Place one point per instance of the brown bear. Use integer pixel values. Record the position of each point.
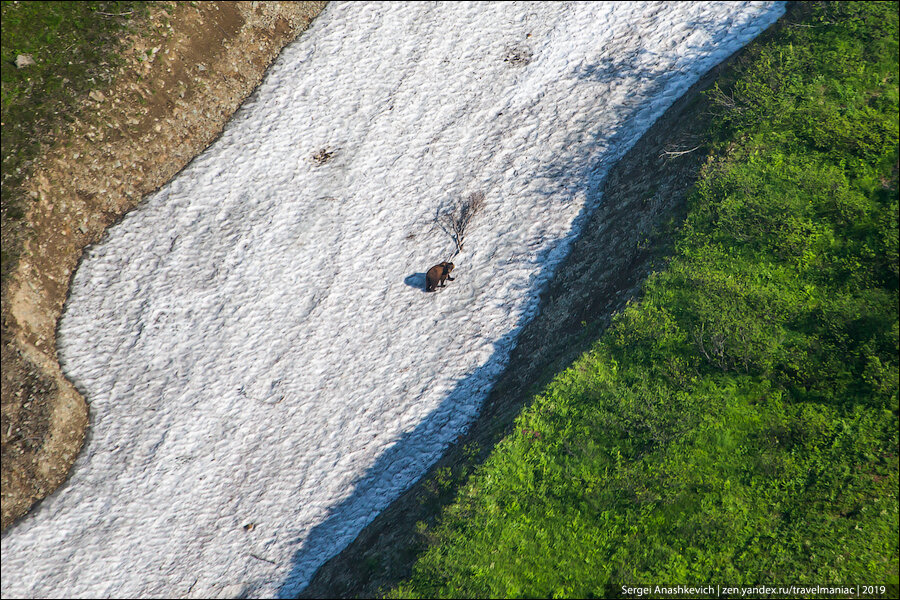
(436, 275)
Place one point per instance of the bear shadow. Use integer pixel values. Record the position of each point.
(416, 280)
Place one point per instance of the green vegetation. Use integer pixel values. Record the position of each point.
(739, 424)
(74, 47)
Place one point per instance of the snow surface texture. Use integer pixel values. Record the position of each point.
(265, 370)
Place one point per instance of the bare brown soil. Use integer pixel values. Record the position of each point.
(187, 71)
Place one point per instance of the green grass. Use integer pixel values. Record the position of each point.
(75, 48)
(739, 424)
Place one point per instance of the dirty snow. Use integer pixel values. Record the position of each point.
(264, 369)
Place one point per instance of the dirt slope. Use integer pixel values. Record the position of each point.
(187, 72)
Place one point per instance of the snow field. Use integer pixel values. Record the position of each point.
(254, 339)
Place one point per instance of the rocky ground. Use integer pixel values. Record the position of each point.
(187, 71)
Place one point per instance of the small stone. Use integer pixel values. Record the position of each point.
(97, 96)
(24, 60)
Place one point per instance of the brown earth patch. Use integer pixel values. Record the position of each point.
(186, 72)
(623, 241)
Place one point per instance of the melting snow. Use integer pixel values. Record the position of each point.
(255, 341)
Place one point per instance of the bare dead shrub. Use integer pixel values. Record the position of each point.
(455, 219)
